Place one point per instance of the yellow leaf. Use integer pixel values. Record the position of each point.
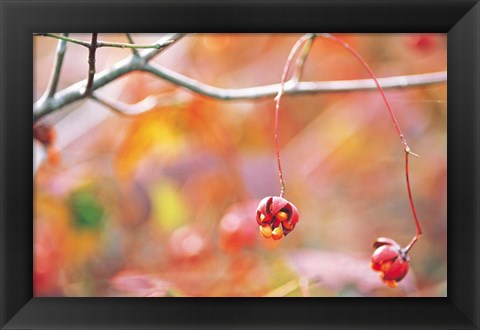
(150, 132)
(170, 210)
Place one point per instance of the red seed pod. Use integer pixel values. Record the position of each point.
(391, 260)
(276, 216)
(44, 134)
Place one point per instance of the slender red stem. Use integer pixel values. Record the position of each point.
(406, 148)
(288, 64)
(370, 72)
(417, 223)
(395, 123)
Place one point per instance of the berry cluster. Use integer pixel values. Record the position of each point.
(276, 216)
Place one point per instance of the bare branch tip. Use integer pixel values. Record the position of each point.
(414, 154)
(410, 152)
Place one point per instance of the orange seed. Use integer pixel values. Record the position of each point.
(282, 216)
(277, 233)
(266, 231)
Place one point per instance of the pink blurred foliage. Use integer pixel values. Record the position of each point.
(138, 284)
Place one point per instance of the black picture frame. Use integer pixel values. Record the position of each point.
(19, 19)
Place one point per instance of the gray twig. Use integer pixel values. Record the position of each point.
(57, 68)
(158, 45)
(75, 92)
(292, 87)
(147, 104)
(92, 50)
(125, 109)
(130, 40)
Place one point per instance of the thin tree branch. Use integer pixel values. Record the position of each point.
(147, 104)
(57, 67)
(91, 64)
(75, 92)
(124, 109)
(165, 42)
(105, 43)
(64, 38)
(130, 40)
(139, 63)
(291, 87)
(71, 94)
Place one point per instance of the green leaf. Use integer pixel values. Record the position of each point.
(87, 211)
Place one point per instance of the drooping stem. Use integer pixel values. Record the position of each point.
(395, 123)
(412, 206)
(288, 64)
(299, 65)
(370, 72)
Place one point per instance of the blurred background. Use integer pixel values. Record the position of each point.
(163, 203)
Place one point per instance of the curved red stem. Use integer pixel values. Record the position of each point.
(395, 123)
(406, 148)
(417, 223)
(370, 72)
(288, 64)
